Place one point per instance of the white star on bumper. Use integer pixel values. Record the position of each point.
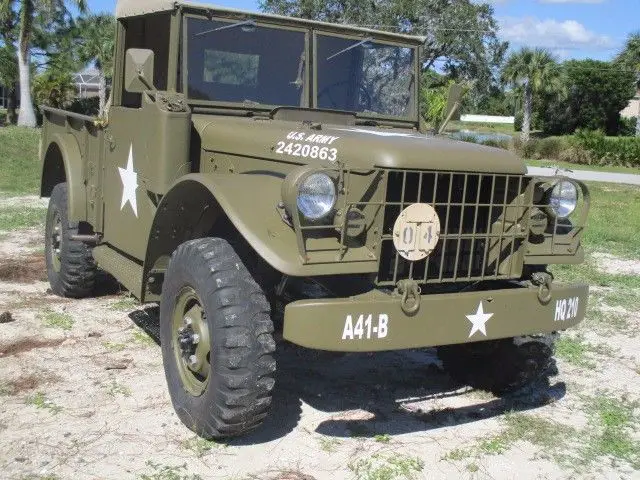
(478, 321)
(129, 184)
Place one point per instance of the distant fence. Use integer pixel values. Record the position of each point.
(487, 119)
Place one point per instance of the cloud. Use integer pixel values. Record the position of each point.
(552, 34)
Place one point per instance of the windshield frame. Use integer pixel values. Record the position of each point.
(413, 108)
(184, 74)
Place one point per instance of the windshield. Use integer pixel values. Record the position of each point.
(245, 63)
(364, 76)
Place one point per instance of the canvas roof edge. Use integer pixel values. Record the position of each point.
(134, 8)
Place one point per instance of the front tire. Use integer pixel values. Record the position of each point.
(217, 342)
(71, 268)
(500, 366)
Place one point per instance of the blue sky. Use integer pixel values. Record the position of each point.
(570, 28)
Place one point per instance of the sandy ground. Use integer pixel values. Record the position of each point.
(85, 398)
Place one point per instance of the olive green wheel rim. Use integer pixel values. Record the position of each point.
(191, 345)
(55, 237)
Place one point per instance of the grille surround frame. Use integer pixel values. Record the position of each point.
(485, 225)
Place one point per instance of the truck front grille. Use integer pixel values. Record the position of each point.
(484, 226)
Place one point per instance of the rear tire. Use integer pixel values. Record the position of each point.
(71, 268)
(221, 384)
(500, 366)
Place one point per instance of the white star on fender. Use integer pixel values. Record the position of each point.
(478, 321)
(129, 184)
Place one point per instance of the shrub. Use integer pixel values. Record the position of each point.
(528, 149)
(627, 127)
(491, 142)
(86, 106)
(466, 137)
(599, 149)
(550, 147)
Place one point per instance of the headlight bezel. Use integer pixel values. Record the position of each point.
(326, 207)
(291, 189)
(555, 210)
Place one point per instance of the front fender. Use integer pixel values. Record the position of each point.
(193, 205)
(63, 152)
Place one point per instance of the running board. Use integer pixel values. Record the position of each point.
(126, 271)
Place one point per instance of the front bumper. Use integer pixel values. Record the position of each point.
(375, 321)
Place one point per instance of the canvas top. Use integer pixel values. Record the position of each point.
(133, 8)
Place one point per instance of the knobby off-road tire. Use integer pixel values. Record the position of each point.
(71, 268)
(500, 366)
(208, 291)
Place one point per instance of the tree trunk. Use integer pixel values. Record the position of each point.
(12, 117)
(638, 123)
(27, 116)
(102, 92)
(526, 116)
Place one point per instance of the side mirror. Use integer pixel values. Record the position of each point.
(456, 92)
(138, 70)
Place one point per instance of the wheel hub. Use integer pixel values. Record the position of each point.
(191, 342)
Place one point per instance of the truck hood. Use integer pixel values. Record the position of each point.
(356, 147)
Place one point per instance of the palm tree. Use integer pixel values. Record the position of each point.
(630, 58)
(26, 10)
(8, 63)
(531, 70)
(96, 35)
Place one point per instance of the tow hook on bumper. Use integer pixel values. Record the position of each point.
(543, 280)
(410, 291)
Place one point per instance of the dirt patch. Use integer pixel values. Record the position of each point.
(29, 382)
(26, 345)
(21, 242)
(25, 269)
(616, 265)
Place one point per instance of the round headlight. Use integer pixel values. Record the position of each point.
(316, 196)
(563, 199)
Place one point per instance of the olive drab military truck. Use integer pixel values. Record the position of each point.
(255, 170)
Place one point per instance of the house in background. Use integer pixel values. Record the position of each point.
(4, 96)
(87, 82)
(633, 109)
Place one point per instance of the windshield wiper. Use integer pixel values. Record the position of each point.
(246, 23)
(351, 47)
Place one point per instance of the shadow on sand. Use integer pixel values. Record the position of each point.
(371, 394)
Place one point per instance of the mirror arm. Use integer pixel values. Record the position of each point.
(142, 78)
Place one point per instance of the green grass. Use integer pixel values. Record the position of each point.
(16, 218)
(125, 303)
(386, 467)
(576, 166)
(19, 162)
(612, 420)
(507, 129)
(328, 444)
(614, 219)
(578, 352)
(114, 346)
(200, 446)
(39, 400)
(52, 319)
(141, 337)
(115, 389)
(168, 472)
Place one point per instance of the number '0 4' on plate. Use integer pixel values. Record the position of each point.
(366, 327)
